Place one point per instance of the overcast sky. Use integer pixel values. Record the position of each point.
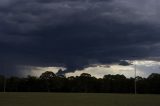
(75, 34)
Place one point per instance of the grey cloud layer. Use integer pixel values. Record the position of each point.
(78, 33)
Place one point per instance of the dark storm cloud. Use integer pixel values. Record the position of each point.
(75, 34)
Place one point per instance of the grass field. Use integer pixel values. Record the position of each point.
(77, 99)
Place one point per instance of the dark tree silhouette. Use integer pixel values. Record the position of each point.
(47, 75)
(49, 82)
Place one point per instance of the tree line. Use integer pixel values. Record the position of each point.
(85, 83)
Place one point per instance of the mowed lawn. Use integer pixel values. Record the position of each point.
(77, 99)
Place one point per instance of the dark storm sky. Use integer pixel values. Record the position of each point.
(77, 33)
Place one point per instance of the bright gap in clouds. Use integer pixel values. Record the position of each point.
(37, 71)
(144, 68)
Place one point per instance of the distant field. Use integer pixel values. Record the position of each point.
(77, 99)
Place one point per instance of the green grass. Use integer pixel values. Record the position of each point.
(77, 99)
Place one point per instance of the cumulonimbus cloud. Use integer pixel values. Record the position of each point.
(75, 34)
